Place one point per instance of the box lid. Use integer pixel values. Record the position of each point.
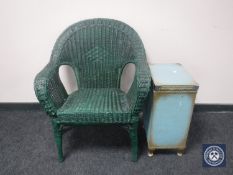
(172, 77)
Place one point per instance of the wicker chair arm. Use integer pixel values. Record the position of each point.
(140, 87)
(49, 89)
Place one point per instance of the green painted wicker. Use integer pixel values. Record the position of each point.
(97, 50)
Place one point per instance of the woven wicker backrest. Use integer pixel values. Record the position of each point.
(98, 50)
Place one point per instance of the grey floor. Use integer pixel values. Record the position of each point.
(27, 147)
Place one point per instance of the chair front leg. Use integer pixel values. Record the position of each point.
(58, 139)
(133, 132)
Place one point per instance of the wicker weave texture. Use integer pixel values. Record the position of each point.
(97, 50)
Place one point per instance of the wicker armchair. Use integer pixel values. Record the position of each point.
(97, 50)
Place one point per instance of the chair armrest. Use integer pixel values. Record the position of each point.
(49, 89)
(141, 85)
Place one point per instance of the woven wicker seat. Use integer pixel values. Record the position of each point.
(97, 50)
(83, 105)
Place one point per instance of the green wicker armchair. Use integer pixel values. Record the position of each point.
(97, 50)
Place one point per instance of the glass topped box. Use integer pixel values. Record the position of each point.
(170, 106)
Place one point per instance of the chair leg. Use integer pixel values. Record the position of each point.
(58, 139)
(133, 132)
